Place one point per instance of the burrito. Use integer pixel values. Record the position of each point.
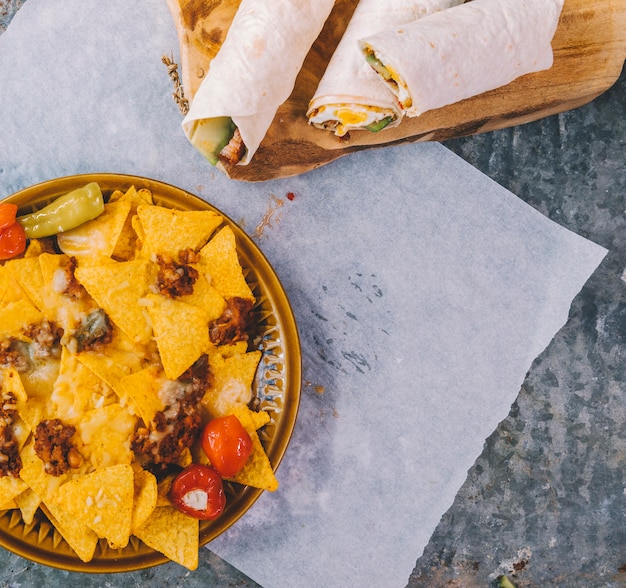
(253, 73)
(350, 96)
(463, 51)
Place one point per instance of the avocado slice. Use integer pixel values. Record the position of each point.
(211, 135)
(379, 125)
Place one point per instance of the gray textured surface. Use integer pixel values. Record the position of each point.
(545, 502)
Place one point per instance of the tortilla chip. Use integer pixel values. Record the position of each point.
(134, 196)
(38, 246)
(220, 263)
(78, 390)
(181, 332)
(173, 534)
(123, 357)
(78, 536)
(170, 231)
(56, 305)
(232, 381)
(26, 271)
(10, 488)
(15, 317)
(250, 420)
(142, 388)
(28, 502)
(117, 287)
(35, 476)
(258, 471)
(97, 237)
(103, 501)
(206, 297)
(127, 247)
(104, 436)
(145, 498)
(10, 290)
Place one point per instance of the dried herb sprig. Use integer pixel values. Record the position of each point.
(179, 94)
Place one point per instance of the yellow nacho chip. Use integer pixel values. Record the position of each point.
(77, 535)
(121, 358)
(15, 317)
(169, 231)
(173, 534)
(258, 471)
(77, 390)
(102, 500)
(66, 311)
(118, 287)
(142, 388)
(181, 333)
(220, 262)
(28, 502)
(35, 476)
(10, 290)
(134, 196)
(232, 381)
(27, 272)
(145, 497)
(103, 436)
(251, 420)
(10, 488)
(206, 297)
(38, 246)
(97, 237)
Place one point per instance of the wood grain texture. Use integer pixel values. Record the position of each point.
(589, 52)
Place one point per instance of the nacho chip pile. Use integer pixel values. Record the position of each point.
(105, 331)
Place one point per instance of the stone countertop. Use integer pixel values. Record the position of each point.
(545, 501)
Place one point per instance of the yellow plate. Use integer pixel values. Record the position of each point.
(277, 384)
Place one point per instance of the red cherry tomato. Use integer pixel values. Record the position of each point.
(198, 492)
(7, 214)
(226, 444)
(12, 241)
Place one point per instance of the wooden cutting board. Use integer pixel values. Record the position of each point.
(589, 52)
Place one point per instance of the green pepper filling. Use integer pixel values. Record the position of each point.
(379, 125)
(378, 65)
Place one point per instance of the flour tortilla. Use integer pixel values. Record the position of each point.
(255, 70)
(349, 84)
(465, 50)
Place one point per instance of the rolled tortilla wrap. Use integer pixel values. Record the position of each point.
(253, 73)
(463, 51)
(349, 95)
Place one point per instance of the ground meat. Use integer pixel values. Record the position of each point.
(233, 152)
(54, 447)
(94, 331)
(15, 353)
(46, 338)
(73, 288)
(234, 324)
(177, 279)
(174, 429)
(10, 460)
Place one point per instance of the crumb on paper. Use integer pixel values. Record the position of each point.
(270, 217)
(318, 388)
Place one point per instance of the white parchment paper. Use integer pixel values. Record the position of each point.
(423, 291)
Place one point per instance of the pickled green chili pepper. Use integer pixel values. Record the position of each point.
(64, 213)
